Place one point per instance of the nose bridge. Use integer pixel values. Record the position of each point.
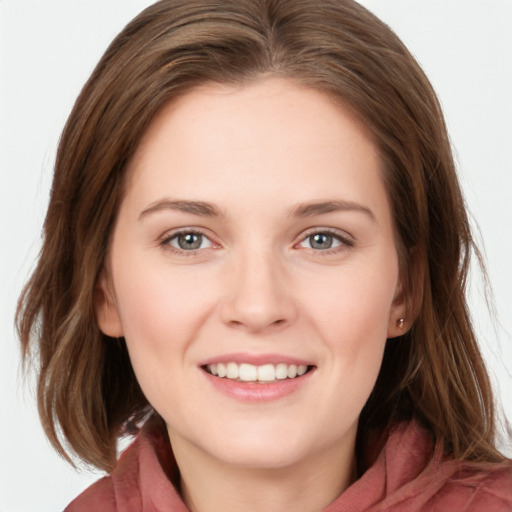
(258, 296)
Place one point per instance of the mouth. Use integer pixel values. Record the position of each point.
(262, 374)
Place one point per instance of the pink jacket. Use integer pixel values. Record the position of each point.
(404, 478)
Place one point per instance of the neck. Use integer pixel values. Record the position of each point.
(309, 485)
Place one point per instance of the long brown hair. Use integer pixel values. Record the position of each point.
(87, 391)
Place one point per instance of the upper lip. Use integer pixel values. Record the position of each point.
(256, 359)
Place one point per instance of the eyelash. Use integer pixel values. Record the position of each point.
(346, 242)
(165, 241)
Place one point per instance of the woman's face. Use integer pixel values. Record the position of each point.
(255, 239)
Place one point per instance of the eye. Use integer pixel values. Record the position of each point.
(321, 241)
(325, 240)
(188, 241)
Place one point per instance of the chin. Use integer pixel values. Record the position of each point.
(264, 456)
(262, 448)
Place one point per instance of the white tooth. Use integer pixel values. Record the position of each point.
(232, 371)
(212, 368)
(266, 373)
(221, 370)
(281, 371)
(301, 370)
(247, 372)
(292, 371)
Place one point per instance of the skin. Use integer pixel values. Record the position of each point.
(256, 285)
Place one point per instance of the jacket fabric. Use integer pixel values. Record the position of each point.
(410, 474)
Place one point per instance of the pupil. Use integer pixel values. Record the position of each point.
(321, 241)
(190, 241)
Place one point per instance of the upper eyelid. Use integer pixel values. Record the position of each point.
(340, 233)
(171, 233)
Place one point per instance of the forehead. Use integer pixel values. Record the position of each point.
(269, 136)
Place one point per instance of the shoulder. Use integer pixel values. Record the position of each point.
(141, 480)
(418, 477)
(476, 488)
(114, 493)
(99, 496)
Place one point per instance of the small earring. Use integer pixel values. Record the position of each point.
(400, 323)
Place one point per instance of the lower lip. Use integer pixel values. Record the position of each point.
(258, 392)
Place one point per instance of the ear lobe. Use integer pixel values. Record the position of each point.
(107, 315)
(408, 298)
(399, 321)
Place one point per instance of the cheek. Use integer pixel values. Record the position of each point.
(358, 306)
(162, 314)
(161, 310)
(353, 322)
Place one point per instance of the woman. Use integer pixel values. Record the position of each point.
(255, 254)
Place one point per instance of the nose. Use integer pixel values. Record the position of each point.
(259, 297)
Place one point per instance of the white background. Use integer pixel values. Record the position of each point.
(47, 50)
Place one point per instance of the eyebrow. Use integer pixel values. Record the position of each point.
(205, 209)
(193, 207)
(320, 208)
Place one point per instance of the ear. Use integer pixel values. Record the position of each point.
(107, 314)
(398, 322)
(408, 297)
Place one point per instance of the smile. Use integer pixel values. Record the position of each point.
(245, 372)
